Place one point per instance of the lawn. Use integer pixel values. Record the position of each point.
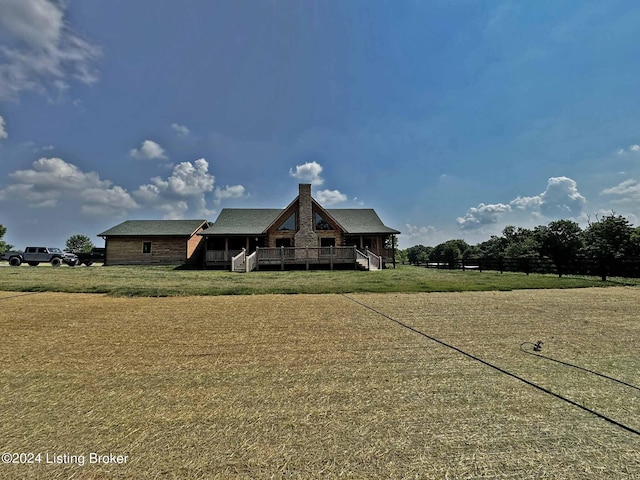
(318, 386)
(167, 281)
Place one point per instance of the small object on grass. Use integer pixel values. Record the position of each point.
(538, 346)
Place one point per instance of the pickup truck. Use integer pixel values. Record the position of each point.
(95, 255)
(36, 255)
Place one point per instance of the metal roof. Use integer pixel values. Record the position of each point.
(153, 228)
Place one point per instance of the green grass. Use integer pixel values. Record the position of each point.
(167, 281)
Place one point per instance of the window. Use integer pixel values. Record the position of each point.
(327, 242)
(283, 242)
(321, 223)
(289, 223)
(146, 247)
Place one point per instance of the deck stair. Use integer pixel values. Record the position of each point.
(368, 260)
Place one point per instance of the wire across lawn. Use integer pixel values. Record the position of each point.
(316, 386)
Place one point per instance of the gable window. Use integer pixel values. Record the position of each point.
(289, 224)
(321, 223)
(146, 247)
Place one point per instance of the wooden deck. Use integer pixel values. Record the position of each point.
(284, 257)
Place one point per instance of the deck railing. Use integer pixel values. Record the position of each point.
(362, 259)
(251, 261)
(375, 261)
(238, 263)
(213, 256)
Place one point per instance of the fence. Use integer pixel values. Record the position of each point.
(627, 267)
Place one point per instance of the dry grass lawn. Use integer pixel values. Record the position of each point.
(316, 386)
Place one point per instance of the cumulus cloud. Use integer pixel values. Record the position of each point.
(40, 50)
(187, 186)
(308, 173)
(180, 129)
(330, 197)
(149, 150)
(482, 215)
(3, 129)
(50, 180)
(561, 199)
(234, 191)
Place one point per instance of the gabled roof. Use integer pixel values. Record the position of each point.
(256, 221)
(360, 220)
(243, 221)
(155, 228)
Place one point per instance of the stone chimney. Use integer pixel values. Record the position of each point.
(305, 236)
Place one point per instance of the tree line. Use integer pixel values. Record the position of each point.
(563, 242)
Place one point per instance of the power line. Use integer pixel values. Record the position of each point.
(495, 367)
(539, 355)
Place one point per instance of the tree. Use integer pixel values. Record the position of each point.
(4, 247)
(608, 239)
(79, 244)
(492, 248)
(450, 252)
(561, 241)
(519, 242)
(418, 254)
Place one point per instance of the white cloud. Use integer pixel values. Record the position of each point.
(330, 197)
(627, 191)
(308, 173)
(3, 130)
(149, 150)
(630, 149)
(424, 235)
(482, 215)
(234, 191)
(184, 190)
(50, 180)
(40, 50)
(181, 129)
(561, 199)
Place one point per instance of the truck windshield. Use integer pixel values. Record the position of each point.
(55, 250)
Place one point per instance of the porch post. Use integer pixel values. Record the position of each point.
(331, 257)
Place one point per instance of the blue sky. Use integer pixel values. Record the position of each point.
(451, 118)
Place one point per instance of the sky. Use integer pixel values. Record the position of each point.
(451, 118)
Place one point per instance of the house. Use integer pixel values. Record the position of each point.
(304, 234)
(154, 242)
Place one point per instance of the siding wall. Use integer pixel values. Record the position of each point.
(164, 250)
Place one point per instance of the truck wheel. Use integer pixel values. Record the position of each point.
(55, 262)
(72, 263)
(34, 264)
(15, 261)
(88, 264)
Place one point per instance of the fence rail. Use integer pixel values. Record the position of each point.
(626, 267)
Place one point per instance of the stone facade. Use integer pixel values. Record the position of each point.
(305, 236)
